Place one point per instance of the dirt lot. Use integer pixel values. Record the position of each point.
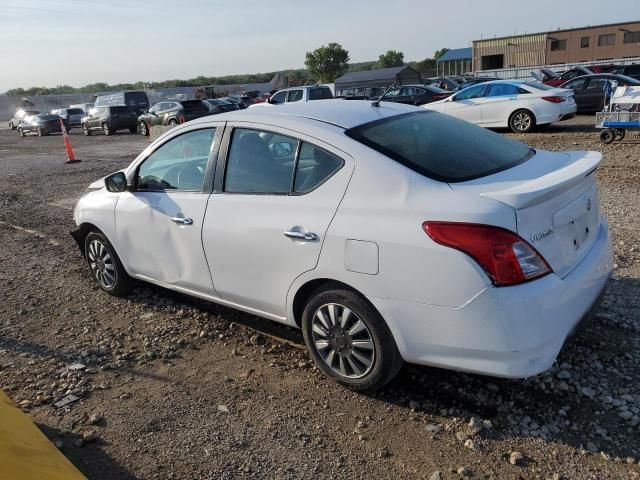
(176, 388)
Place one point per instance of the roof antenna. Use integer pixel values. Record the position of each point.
(377, 102)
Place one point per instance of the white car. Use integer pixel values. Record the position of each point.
(387, 233)
(520, 106)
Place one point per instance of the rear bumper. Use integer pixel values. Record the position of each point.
(564, 112)
(513, 332)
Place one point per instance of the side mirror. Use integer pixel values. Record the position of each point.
(116, 182)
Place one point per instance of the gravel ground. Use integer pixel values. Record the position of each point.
(163, 386)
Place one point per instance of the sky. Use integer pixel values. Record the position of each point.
(76, 42)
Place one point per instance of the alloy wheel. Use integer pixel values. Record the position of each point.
(522, 121)
(343, 340)
(101, 264)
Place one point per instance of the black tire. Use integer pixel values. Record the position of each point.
(39, 132)
(86, 130)
(115, 280)
(12, 126)
(619, 134)
(607, 136)
(385, 360)
(173, 122)
(20, 132)
(143, 129)
(522, 121)
(106, 129)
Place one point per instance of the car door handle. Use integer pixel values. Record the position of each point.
(306, 236)
(182, 221)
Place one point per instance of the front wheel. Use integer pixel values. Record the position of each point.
(85, 129)
(20, 132)
(349, 340)
(607, 136)
(105, 265)
(522, 121)
(173, 122)
(39, 132)
(106, 129)
(142, 129)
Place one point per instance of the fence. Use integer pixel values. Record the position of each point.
(524, 73)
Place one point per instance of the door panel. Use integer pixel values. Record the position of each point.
(253, 263)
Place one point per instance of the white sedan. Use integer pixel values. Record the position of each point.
(520, 106)
(386, 233)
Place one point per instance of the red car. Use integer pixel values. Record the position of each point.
(556, 79)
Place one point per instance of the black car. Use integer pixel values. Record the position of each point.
(218, 105)
(109, 120)
(632, 71)
(590, 90)
(19, 115)
(171, 113)
(41, 124)
(415, 94)
(444, 83)
(244, 101)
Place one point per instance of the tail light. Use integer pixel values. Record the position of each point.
(555, 99)
(504, 256)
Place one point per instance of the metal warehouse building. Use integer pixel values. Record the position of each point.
(373, 82)
(588, 44)
(455, 62)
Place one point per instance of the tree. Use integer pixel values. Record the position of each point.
(391, 59)
(327, 62)
(438, 53)
(426, 67)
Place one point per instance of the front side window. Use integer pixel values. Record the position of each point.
(597, 84)
(260, 162)
(314, 166)
(294, 96)
(422, 142)
(471, 92)
(179, 164)
(577, 84)
(279, 97)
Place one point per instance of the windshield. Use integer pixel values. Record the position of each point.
(74, 111)
(539, 86)
(441, 147)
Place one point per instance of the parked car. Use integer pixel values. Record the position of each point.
(72, 116)
(40, 124)
(19, 115)
(556, 79)
(85, 107)
(243, 101)
(415, 94)
(305, 93)
(520, 106)
(590, 90)
(387, 234)
(632, 71)
(445, 83)
(172, 113)
(218, 105)
(109, 120)
(136, 100)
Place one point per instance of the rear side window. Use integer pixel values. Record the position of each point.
(441, 147)
(319, 93)
(503, 89)
(315, 165)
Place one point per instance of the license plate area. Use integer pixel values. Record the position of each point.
(578, 221)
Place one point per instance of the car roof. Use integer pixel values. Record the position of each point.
(339, 112)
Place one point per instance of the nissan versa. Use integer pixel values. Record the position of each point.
(386, 232)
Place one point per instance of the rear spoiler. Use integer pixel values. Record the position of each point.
(542, 188)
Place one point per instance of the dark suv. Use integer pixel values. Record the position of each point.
(109, 120)
(632, 71)
(171, 113)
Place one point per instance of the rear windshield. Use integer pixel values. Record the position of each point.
(193, 105)
(441, 147)
(74, 111)
(136, 99)
(120, 109)
(539, 86)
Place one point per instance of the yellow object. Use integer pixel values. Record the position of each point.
(25, 452)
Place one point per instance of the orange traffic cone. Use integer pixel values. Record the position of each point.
(71, 158)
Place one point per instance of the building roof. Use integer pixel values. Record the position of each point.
(457, 54)
(372, 75)
(587, 27)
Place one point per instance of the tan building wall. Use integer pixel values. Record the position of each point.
(586, 44)
(518, 51)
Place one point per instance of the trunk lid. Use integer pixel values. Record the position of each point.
(555, 200)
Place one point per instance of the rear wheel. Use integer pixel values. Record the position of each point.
(348, 339)
(105, 265)
(86, 130)
(522, 121)
(607, 136)
(20, 132)
(619, 134)
(173, 122)
(142, 129)
(39, 131)
(106, 129)
(11, 126)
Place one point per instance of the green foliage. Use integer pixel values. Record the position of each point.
(391, 59)
(426, 67)
(328, 62)
(438, 53)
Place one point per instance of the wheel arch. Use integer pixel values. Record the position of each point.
(524, 109)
